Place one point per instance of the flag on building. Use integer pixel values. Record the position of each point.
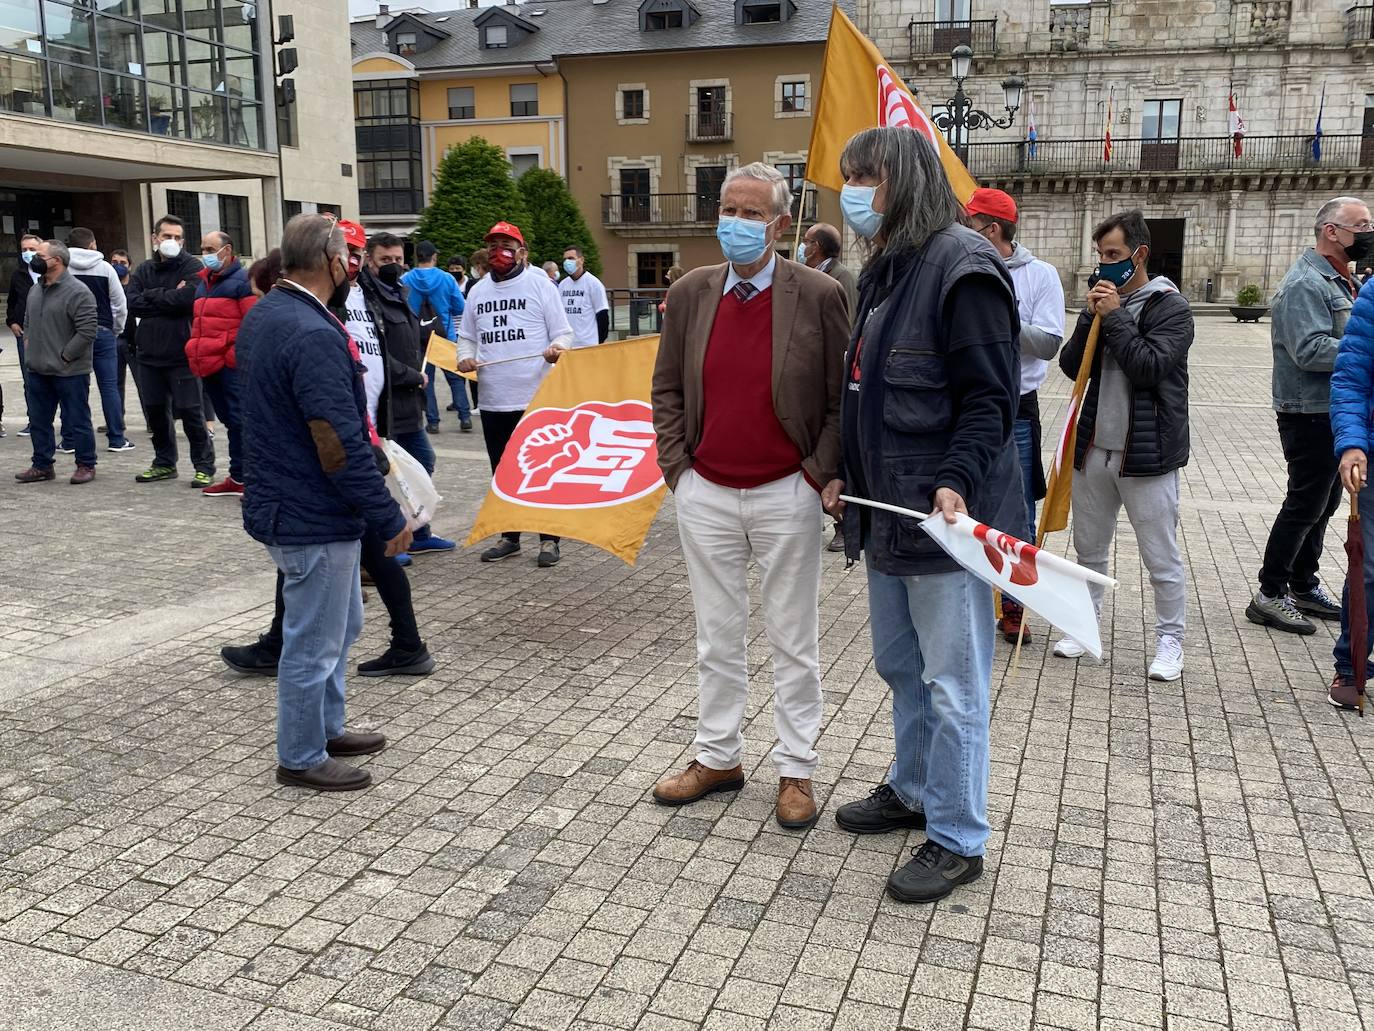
(1107, 132)
(1317, 133)
(1054, 513)
(1031, 135)
(583, 462)
(859, 90)
(1237, 126)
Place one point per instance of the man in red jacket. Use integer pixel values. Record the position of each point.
(222, 300)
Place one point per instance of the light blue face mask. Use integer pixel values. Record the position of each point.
(742, 240)
(856, 205)
(570, 266)
(212, 261)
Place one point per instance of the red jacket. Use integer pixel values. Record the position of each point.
(222, 300)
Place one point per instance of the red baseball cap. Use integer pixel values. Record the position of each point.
(354, 234)
(991, 202)
(506, 229)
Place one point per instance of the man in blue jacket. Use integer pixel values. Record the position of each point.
(313, 487)
(432, 287)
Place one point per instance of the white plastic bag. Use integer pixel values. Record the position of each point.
(411, 486)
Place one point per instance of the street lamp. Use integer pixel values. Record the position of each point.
(960, 116)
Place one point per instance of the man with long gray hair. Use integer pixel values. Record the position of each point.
(931, 389)
(1307, 319)
(746, 401)
(313, 487)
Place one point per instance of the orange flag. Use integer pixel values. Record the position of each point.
(583, 462)
(859, 90)
(1054, 513)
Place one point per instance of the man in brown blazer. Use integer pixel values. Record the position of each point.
(820, 250)
(747, 409)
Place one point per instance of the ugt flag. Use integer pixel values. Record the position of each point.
(859, 90)
(583, 462)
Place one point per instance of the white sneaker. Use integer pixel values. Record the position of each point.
(1068, 648)
(1168, 664)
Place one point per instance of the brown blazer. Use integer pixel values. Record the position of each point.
(810, 334)
(842, 275)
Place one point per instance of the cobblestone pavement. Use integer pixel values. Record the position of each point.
(1191, 855)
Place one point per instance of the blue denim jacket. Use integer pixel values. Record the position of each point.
(1307, 317)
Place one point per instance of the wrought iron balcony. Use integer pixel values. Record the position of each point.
(709, 126)
(654, 210)
(1359, 24)
(931, 38)
(1192, 154)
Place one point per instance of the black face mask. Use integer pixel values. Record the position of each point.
(389, 274)
(339, 297)
(39, 264)
(1361, 247)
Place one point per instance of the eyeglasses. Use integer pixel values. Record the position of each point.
(1358, 227)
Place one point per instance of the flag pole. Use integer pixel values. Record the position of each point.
(801, 213)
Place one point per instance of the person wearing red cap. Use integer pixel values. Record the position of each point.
(1040, 303)
(514, 312)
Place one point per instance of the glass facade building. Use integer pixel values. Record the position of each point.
(182, 68)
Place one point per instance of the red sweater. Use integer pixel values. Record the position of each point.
(742, 443)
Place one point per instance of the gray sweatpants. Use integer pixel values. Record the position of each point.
(1152, 507)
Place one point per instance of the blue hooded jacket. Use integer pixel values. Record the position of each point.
(441, 290)
(1352, 380)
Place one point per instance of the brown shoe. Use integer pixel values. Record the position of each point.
(1342, 693)
(83, 474)
(696, 782)
(35, 475)
(1010, 624)
(796, 803)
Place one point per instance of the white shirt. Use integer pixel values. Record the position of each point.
(1040, 303)
(515, 318)
(364, 333)
(761, 279)
(583, 297)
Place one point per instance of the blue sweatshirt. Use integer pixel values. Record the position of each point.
(441, 290)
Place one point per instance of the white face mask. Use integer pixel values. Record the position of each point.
(169, 248)
(27, 256)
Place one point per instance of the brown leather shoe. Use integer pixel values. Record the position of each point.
(349, 743)
(330, 775)
(83, 474)
(696, 782)
(1343, 694)
(35, 475)
(796, 803)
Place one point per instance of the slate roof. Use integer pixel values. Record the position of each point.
(569, 28)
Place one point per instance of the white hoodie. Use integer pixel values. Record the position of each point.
(1040, 302)
(93, 263)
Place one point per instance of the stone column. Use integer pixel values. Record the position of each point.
(1227, 280)
(1087, 258)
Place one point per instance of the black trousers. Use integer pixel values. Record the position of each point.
(392, 587)
(497, 428)
(1293, 555)
(174, 392)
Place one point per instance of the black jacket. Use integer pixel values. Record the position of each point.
(401, 407)
(935, 398)
(163, 310)
(20, 285)
(1152, 350)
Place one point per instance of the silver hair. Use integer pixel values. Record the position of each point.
(57, 249)
(310, 242)
(764, 173)
(1328, 211)
(920, 201)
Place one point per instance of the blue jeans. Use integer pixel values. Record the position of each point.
(223, 388)
(456, 385)
(1341, 653)
(1025, 445)
(324, 615)
(105, 359)
(71, 394)
(417, 445)
(933, 645)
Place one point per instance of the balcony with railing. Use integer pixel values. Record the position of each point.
(938, 38)
(385, 201)
(654, 211)
(1199, 154)
(709, 126)
(1359, 24)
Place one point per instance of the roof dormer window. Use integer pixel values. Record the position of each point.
(496, 37)
(656, 15)
(405, 44)
(763, 12)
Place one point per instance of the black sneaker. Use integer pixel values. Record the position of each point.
(1279, 613)
(398, 662)
(258, 659)
(933, 872)
(501, 549)
(880, 812)
(548, 554)
(1317, 602)
(465, 425)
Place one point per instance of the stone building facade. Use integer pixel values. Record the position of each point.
(1165, 70)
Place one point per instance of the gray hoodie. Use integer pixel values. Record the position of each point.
(97, 273)
(1114, 395)
(59, 327)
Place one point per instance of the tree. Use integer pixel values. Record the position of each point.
(473, 190)
(556, 219)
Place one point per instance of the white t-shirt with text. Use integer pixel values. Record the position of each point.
(364, 333)
(582, 299)
(511, 319)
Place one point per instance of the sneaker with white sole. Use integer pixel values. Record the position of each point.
(1168, 664)
(1068, 648)
(128, 445)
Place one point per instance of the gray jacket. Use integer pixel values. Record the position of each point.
(59, 327)
(1307, 320)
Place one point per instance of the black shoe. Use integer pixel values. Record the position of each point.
(432, 427)
(501, 549)
(837, 542)
(355, 744)
(880, 812)
(398, 662)
(451, 408)
(258, 659)
(548, 554)
(465, 425)
(330, 775)
(1317, 602)
(933, 872)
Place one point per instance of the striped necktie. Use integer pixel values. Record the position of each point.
(743, 290)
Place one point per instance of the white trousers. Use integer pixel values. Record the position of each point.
(721, 528)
